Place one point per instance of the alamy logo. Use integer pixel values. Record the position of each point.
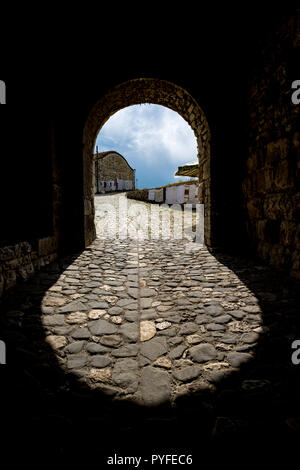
(296, 94)
(2, 92)
(2, 352)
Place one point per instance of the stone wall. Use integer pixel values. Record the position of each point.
(20, 261)
(271, 185)
(112, 165)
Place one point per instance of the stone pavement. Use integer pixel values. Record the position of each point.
(153, 322)
(143, 319)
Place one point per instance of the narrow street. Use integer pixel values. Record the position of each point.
(167, 316)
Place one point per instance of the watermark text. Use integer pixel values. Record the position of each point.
(296, 94)
(138, 221)
(296, 353)
(2, 352)
(2, 92)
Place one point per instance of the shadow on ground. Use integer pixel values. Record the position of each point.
(45, 410)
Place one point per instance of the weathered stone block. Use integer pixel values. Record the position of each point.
(252, 162)
(155, 386)
(10, 279)
(254, 207)
(283, 175)
(276, 151)
(46, 246)
(260, 228)
(268, 179)
(288, 232)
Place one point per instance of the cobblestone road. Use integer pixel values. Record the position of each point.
(151, 321)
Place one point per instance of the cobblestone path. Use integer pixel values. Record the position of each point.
(143, 319)
(152, 321)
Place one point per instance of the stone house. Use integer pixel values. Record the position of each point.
(113, 173)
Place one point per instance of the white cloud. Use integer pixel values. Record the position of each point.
(151, 137)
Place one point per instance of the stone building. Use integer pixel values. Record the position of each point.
(113, 173)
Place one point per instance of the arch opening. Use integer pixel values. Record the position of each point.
(154, 91)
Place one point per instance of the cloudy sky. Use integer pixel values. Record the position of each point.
(155, 140)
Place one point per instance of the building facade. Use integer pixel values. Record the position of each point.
(113, 173)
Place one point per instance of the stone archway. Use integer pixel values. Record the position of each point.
(138, 91)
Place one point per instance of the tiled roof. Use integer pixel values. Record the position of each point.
(108, 152)
(188, 170)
